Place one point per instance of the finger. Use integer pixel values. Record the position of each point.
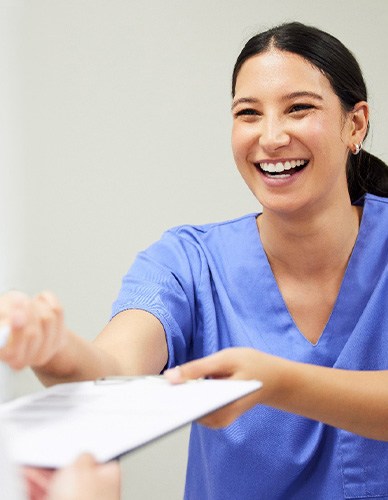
(32, 344)
(36, 329)
(9, 302)
(37, 481)
(217, 365)
(50, 338)
(228, 414)
(217, 420)
(43, 346)
(85, 460)
(54, 304)
(13, 317)
(23, 329)
(16, 354)
(110, 474)
(14, 313)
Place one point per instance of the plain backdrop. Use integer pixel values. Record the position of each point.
(114, 126)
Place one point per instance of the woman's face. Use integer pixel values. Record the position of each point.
(290, 136)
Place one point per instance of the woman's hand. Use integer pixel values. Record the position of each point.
(301, 388)
(36, 329)
(233, 363)
(39, 338)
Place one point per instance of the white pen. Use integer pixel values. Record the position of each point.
(5, 331)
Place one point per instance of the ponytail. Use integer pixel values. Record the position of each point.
(367, 174)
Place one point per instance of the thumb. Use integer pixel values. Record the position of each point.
(85, 460)
(213, 366)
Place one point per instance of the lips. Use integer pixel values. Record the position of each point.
(281, 168)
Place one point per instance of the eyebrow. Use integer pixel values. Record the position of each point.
(292, 95)
(303, 93)
(242, 100)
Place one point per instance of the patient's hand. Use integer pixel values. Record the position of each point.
(84, 479)
(37, 481)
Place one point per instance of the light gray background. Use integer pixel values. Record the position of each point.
(115, 125)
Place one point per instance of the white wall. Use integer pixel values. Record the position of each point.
(125, 131)
(11, 172)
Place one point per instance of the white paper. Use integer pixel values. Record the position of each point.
(107, 418)
(5, 331)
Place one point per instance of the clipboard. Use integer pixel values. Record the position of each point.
(108, 417)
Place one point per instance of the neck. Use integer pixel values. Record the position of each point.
(308, 246)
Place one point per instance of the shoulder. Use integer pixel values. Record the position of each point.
(202, 232)
(193, 246)
(373, 200)
(375, 209)
(373, 234)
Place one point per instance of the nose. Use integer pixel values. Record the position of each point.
(273, 134)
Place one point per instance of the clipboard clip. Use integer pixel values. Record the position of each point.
(123, 379)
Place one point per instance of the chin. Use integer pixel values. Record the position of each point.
(284, 205)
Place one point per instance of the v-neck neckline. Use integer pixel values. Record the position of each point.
(334, 316)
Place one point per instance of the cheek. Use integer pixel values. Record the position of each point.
(236, 144)
(313, 133)
(324, 139)
(243, 141)
(323, 133)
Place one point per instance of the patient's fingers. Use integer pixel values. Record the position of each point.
(86, 480)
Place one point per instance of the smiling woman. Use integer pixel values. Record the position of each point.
(323, 53)
(293, 118)
(295, 296)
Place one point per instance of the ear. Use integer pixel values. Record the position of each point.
(359, 119)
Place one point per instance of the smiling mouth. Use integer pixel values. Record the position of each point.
(281, 169)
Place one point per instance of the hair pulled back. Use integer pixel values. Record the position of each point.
(365, 172)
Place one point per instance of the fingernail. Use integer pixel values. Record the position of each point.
(173, 375)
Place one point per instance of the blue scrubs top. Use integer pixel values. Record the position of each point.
(212, 287)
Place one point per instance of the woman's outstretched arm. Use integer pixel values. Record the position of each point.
(133, 342)
(356, 401)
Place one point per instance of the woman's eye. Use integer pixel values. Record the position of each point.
(300, 107)
(246, 112)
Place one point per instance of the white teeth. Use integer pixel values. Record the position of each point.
(270, 167)
(281, 167)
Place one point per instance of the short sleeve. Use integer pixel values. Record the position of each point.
(162, 281)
